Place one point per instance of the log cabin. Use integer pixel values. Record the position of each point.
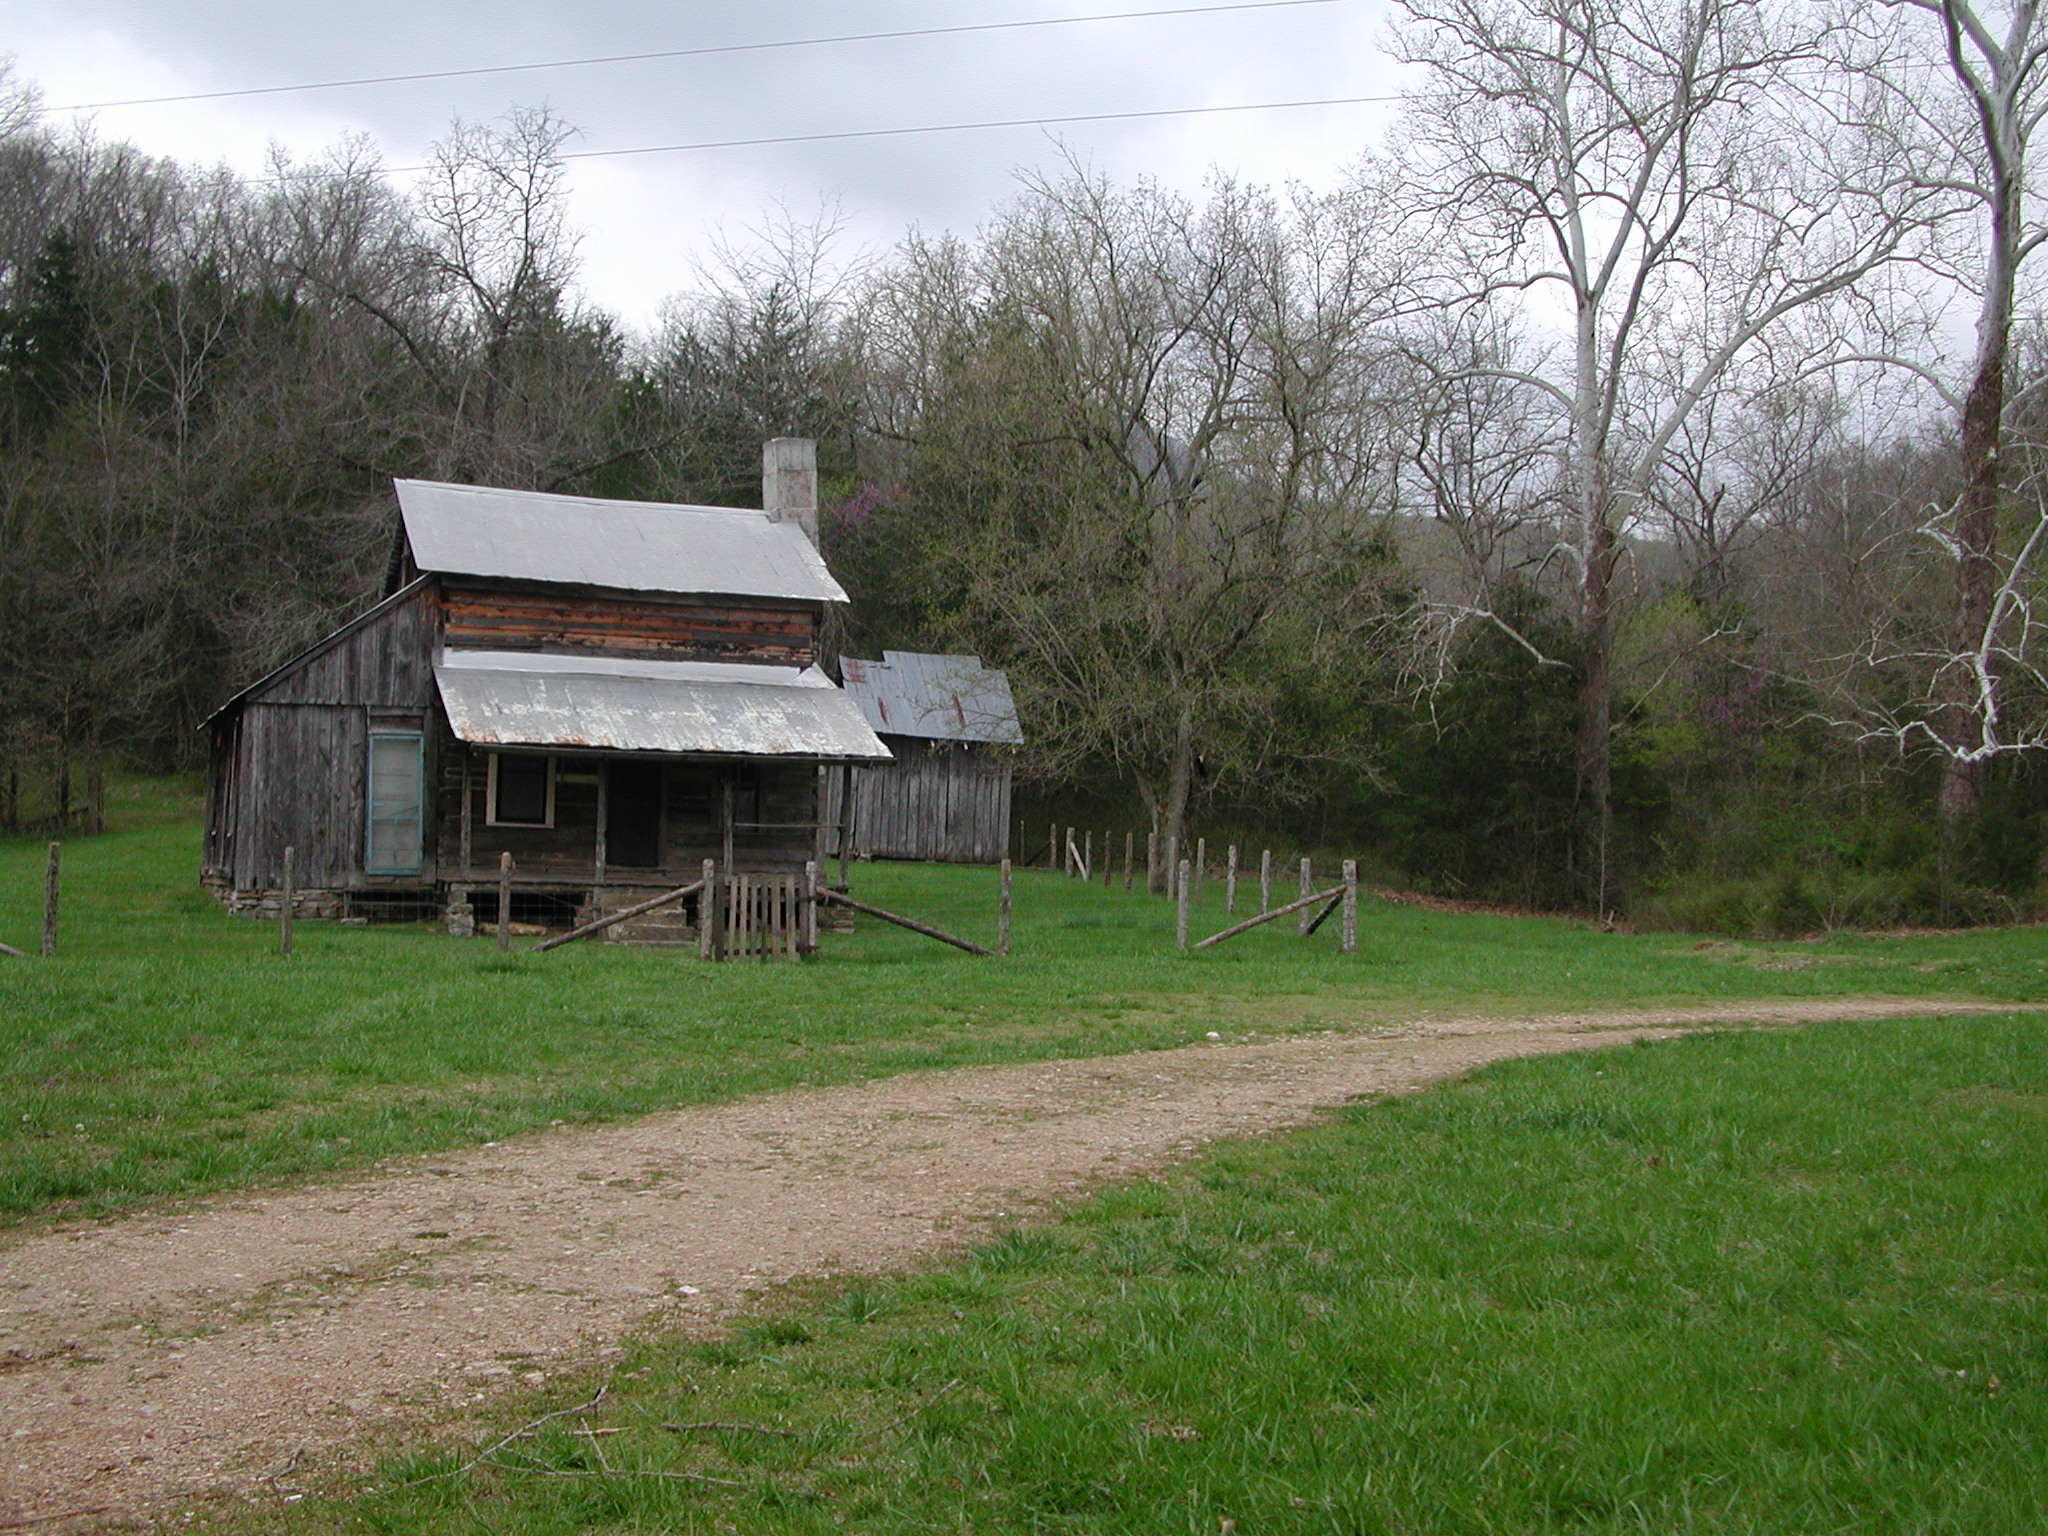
(610, 692)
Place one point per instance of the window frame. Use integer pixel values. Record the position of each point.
(491, 817)
(418, 740)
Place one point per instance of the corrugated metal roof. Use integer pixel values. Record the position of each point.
(511, 698)
(938, 698)
(636, 546)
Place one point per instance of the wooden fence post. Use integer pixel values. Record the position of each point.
(504, 901)
(1350, 906)
(1201, 864)
(284, 906)
(1230, 881)
(1265, 880)
(50, 904)
(1307, 885)
(1108, 859)
(1180, 917)
(1088, 856)
(707, 911)
(1172, 862)
(1151, 859)
(1130, 846)
(1003, 914)
(807, 925)
(1052, 846)
(1073, 853)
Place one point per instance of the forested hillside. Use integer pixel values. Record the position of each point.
(1622, 493)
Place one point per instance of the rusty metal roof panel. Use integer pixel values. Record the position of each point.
(937, 698)
(513, 699)
(634, 546)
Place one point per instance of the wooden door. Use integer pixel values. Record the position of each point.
(632, 829)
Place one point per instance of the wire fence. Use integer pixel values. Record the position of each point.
(784, 915)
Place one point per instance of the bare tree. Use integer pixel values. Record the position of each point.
(1479, 484)
(1136, 444)
(1735, 469)
(1975, 140)
(1667, 180)
(766, 344)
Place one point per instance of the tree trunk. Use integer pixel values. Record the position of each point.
(1596, 612)
(1180, 780)
(1596, 710)
(2003, 114)
(1155, 872)
(1977, 504)
(95, 797)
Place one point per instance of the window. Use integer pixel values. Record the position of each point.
(522, 790)
(396, 779)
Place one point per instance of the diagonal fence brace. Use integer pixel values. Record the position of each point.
(838, 899)
(664, 899)
(1334, 895)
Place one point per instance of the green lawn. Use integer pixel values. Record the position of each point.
(1754, 1282)
(170, 1051)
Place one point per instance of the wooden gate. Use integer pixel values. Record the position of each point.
(763, 917)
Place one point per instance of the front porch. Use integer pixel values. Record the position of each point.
(589, 834)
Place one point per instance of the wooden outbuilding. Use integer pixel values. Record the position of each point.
(948, 723)
(611, 692)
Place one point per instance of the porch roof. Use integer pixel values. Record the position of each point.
(722, 709)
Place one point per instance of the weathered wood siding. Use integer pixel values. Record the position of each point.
(942, 800)
(387, 663)
(290, 764)
(217, 856)
(290, 767)
(508, 618)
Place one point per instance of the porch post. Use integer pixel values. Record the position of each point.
(604, 780)
(468, 757)
(845, 820)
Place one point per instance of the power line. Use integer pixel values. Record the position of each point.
(887, 133)
(694, 53)
(1011, 122)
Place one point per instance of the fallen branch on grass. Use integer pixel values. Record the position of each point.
(19, 954)
(751, 1429)
(906, 1414)
(69, 1514)
(674, 1477)
(498, 1445)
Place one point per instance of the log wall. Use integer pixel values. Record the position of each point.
(498, 618)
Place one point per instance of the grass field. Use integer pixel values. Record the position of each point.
(170, 1051)
(1754, 1282)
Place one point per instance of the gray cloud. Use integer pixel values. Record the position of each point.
(646, 216)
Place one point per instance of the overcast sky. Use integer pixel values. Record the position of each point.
(645, 217)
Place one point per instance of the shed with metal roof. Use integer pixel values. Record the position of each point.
(951, 726)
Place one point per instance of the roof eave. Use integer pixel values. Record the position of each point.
(318, 647)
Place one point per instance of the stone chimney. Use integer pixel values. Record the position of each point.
(789, 482)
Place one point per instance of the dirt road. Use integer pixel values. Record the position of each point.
(162, 1355)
